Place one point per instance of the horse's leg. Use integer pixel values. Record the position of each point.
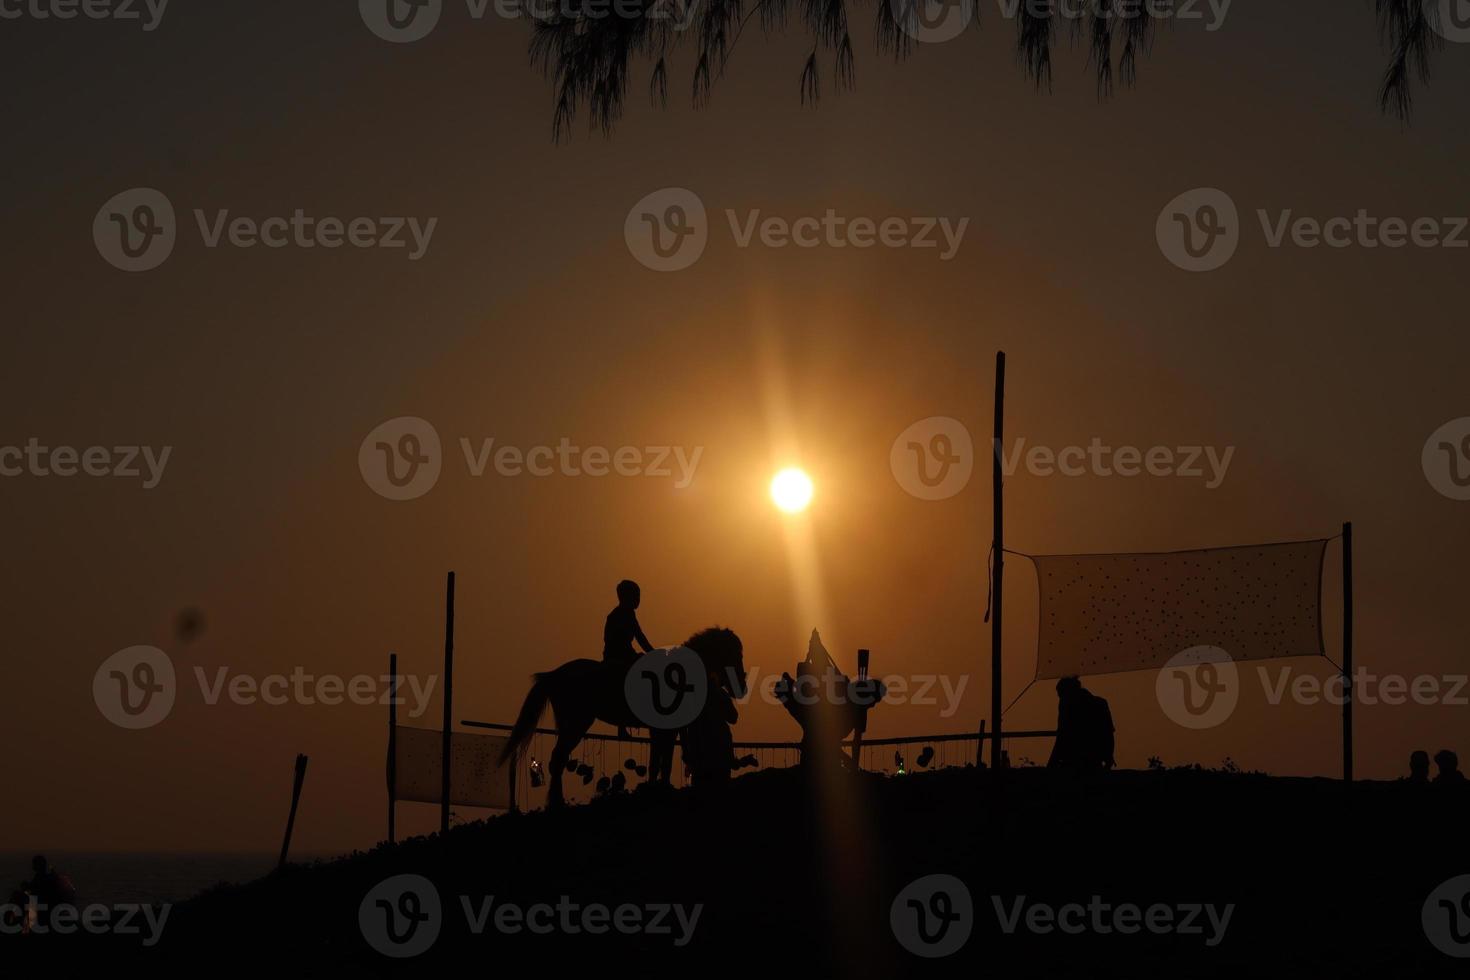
(567, 736)
(661, 761)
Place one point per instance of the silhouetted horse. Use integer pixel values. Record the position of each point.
(583, 691)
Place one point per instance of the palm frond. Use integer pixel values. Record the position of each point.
(589, 53)
(1411, 30)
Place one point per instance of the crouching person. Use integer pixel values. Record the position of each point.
(709, 743)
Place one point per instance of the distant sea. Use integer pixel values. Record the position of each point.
(111, 879)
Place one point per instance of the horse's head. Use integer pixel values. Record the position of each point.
(723, 656)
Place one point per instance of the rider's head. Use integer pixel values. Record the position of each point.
(1447, 761)
(1419, 763)
(629, 593)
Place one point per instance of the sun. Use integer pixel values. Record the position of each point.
(791, 490)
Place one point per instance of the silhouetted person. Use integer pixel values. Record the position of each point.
(1449, 767)
(709, 745)
(1419, 766)
(1084, 729)
(621, 629)
(50, 887)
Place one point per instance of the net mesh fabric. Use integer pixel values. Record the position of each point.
(1105, 614)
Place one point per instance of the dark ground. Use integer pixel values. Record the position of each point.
(1326, 880)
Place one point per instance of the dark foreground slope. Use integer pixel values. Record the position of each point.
(797, 874)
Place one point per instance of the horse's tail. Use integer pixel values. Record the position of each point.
(525, 726)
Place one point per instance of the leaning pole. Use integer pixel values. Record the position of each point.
(997, 553)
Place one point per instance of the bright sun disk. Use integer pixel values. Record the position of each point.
(791, 489)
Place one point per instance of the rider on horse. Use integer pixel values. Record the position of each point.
(621, 630)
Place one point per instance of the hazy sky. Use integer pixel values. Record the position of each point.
(529, 320)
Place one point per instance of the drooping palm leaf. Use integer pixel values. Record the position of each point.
(588, 50)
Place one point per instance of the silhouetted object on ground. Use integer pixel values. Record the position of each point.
(825, 703)
(1449, 767)
(1084, 729)
(1419, 766)
(583, 691)
(538, 777)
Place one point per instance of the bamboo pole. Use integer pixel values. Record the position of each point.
(448, 705)
(997, 558)
(295, 799)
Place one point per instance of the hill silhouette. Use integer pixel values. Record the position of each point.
(797, 872)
